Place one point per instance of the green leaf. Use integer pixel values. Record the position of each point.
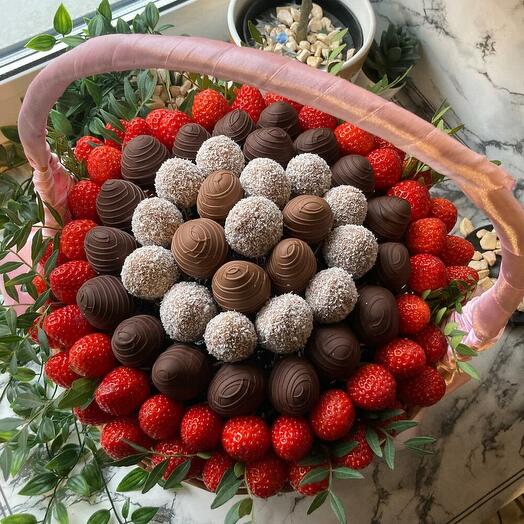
(10, 318)
(10, 423)
(9, 266)
(400, 425)
(101, 516)
(105, 10)
(112, 119)
(125, 508)
(466, 351)
(78, 484)
(315, 459)
(73, 40)
(20, 518)
(426, 294)
(129, 93)
(319, 499)
(11, 133)
(50, 263)
(93, 476)
(135, 479)
(41, 42)
(449, 327)
(154, 476)
(132, 460)
(239, 469)
(238, 510)
(255, 33)
(63, 462)
(6, 459)
(39, 484)
(315, 475)
(389, 452)
(152, 15)
(79, 394)
(343, 447)
(467, 368)
(61, 513)
(347, 473)
(62, 22)
(336, 68)
(455, 341)
(337, 507)
(373, 441)
(37, 246)
(122, 26)
(143, 515)
(94, 90)
(96, 26)
(24, 375)
(61, 123)
(178, 474)
(340, 35)
(146, 85)
(226, 490)
(335, 52)
(440, 315)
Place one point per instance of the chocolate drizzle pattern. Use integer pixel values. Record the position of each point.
(107, 247)
(308, 217)
(320, 141)
(280, 114)
(104, 302)
(188, 140)
(269, 142)
(388, 217)
(236, 124)
(199, 247)
(241, 286)
(393, 265)
(356, 171)
(236, 389)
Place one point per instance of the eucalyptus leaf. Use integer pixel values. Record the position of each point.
(225, 493)
(373, 441)
(343, 447)
(343, 472)
(178, 475)
(319, 499)
(338, 507)
(239, 510)
(315, 475)
(389, 452)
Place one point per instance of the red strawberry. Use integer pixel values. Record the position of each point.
(427, 272)
(154, 119)
(372, 387)
(72, 238)
(360, 456)
(353, 141)
(333, 415)
(82, 200)
(380, 143)
(135, 127)
(118, 132)
(57, 370)
(64, 326)
(209, 107)
(160, 417)
(445, 210)
(201, 428)
(115, 432)
(457, 251)
(250, 100)
(273, 97)
(40, 284)
(49, 250)
(465, 274)
(387, 167)
(180, 453)
(84, 146)
(266, 477)
(426, 235)
(311, 118)
(104, 164)
(401, 356)
(246, 438)
(66, 280)
(417, 196)
(298, 472)
(122, 391)
(214, 469)
(92, 356)
(424, 389)
(92, 414)
(413, 314)
(433, 342)
(291, 437)
(165, 124)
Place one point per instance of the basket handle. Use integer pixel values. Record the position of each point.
(487, 185)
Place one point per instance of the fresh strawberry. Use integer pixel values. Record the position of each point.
(64, 326)
(372, 387)
(118, 132)
(266, 477)
(427, 272)
(104, 164)
(122, 391)
(72, 238)
(413, 314)
(298, 472)
(424, 389)
(387, 167)
(115, 433)
(445, 210)
(457, 251)
(84, 145)
(201, 428)
(361, 455)
(464, 274)
(333, 415)
(380, 143)
(82, 200)
(214, 469)
(311, 118)
(353, 141)
(57, 370)
(273, 97)
(426, 235)
(66, 280)
(164, 125)
(160, 417)
(433, 342)
(403, 357)
(250, 100)
(135, 127)
(92, 356)
(291, 437)
(49, 250)
(246, 438)
(209, 107)
(417, 196)
(40, 284)
(180, 454)
(154, 120)
(92, 414)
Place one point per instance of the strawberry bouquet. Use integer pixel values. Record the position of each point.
(253, 295)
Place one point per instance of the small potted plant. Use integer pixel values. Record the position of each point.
(334, 35)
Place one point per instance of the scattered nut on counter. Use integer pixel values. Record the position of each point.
(466, 227)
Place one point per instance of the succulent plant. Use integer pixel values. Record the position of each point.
(397, 52)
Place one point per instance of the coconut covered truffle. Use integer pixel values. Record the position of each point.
(309, 175)
(284, 324)
(353, 248)
(254, 226)
(178, 181)
(332, 295)
(267, 178)
(155, 221)
(230, 337)
(220, 152)
(185, 311)
(149, 271)
(349, 205)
